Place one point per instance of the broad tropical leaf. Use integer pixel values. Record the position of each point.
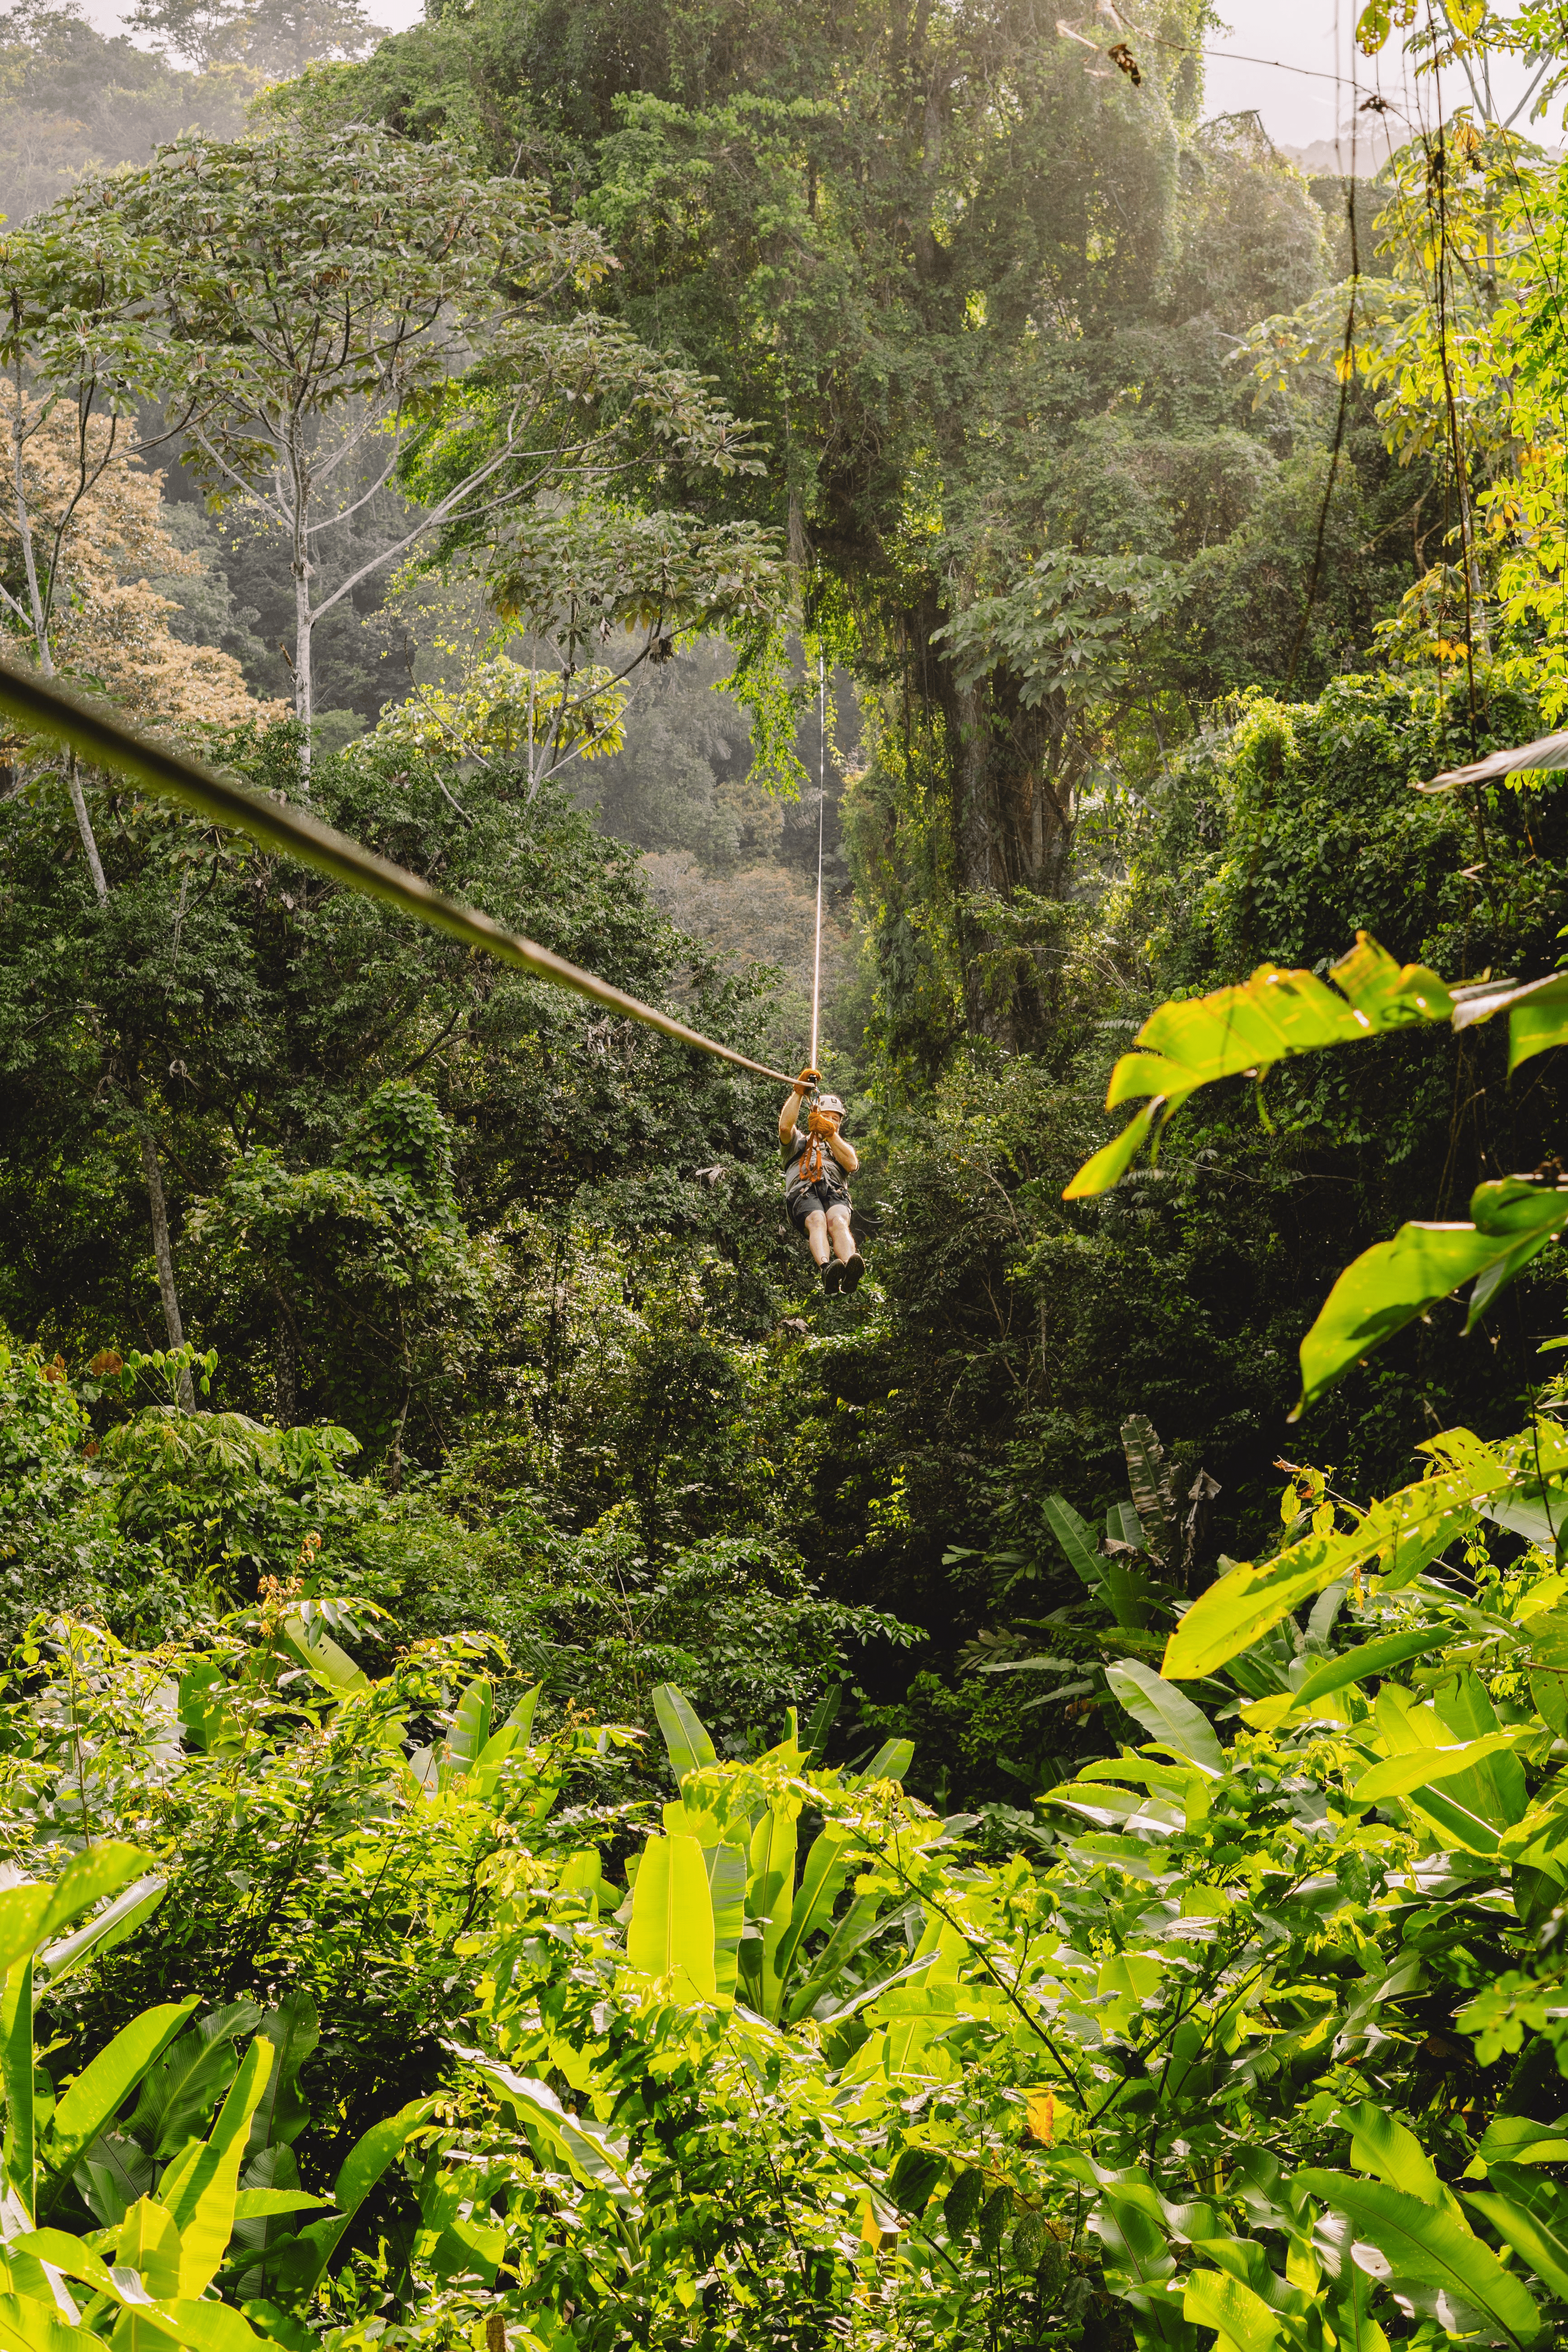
(770, 1899)
(16, 2079)
(1402, 1534)
(300, 2265)
(1244, 1030)
(1394, 1282)
(111, 1926)
(307, 1637)
(671, 1930)
(689, 1743)
(1381, 2143)
(1396, 1776)
(1368, 1658)
(1421, 2242)
(200, 2187)
(1167, 1714)
(149, 2243)
(1536, 1016)
(588, 2152)
(1214, 2299)
(101, 2088)
(1535, 2225)
(183, 2085)
(1154, 1495)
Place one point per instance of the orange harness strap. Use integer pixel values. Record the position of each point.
(814, 1158)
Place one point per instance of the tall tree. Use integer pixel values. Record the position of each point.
(378, 304)
(79, 517)
(976, 276)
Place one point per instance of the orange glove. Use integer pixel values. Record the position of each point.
(806, 1080)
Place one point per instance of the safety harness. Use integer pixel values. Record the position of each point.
(814, 1158)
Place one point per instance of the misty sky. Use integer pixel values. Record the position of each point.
(1293, 60)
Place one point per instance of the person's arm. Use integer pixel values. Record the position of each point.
(845, 1154)
(790, 1110)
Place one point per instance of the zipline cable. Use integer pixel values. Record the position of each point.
(106, 741)
(821, 811)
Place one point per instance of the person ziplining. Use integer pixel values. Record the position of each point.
(818, 1162)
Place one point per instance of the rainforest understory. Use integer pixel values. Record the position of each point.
(563, 1785)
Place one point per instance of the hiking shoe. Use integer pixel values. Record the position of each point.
(832, 1277)
(849, 1278)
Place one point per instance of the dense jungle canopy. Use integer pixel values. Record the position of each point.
(562, 1782)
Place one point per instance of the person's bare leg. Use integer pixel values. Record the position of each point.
(816, 1235)
(850, 1257)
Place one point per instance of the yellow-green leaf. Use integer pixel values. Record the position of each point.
(1392, 1283)
(149, 2243)
(1397, 1775)
(671, 1931)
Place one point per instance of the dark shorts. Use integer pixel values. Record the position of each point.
(802, 1199)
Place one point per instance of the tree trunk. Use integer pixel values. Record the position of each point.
(1011, 809)
(162, 1253)
(156, 1202)
(303, 681)
(84, 827)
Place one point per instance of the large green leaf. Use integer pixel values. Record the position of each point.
(1423, 2243)
(1380, 2143)
(891, 1762)
(859, 1925)
(293, 2028)
(1520, 2139)
(90, 1876)
(298, 2267)
(671, 1930)
(1547, 1632)
(827, 1864)
(1537, 1014)
(687, 1743)
(1394, 1282)
(1402, 1534)
(1355, 1665)
(101, 2088)
(1396, 1776)
(1114, 1580)
(470, 1730)
(106, 1929)
(111, 2175)
(30, 1914)
(1154, 1495)
(588, 2152)
(200, 2195)
(1534, 2223)
(63, 2253)
(1242, 1030)
(1214, 2299)
(185, 2084)
(16, 2079)
(304, 1632)
(1077, 1538)
(1165, 1713)
(202, 2326)
(726, 1866)
(770, 1899)
(149, 2243)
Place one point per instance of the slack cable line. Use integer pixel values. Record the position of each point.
(107, 741)
(1547, 755)
(821, 814)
